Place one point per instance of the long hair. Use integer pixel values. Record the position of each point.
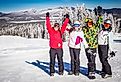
(73, 29)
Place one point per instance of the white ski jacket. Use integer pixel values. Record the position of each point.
(105, 38)
(76, 38)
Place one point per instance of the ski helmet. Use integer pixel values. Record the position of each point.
(76, 24)
(108, 21)
(88, 20)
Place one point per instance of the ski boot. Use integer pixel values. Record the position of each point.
(51, 74)
(106, 76)
(70, 73)
(91, 75)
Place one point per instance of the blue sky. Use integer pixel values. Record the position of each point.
(14, 5)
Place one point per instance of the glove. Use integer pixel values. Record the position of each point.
(78, 40)
(47, 14)
(112, 54)
(99, 10)
(95, 10)
(67, 16)
(90, 51)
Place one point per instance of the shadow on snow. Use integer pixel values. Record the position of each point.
(45, 67)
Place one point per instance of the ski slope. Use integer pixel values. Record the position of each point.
(27, 60)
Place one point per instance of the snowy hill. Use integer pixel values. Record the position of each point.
(29, 14)
(27, 60)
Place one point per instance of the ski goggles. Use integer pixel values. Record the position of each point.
(76, 25)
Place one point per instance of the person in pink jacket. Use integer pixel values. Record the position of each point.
(56, 43)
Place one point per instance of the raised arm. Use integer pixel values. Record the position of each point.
(48, 25)
(99, 21)
(63, 28)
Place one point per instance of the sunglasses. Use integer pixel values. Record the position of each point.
(56, 26)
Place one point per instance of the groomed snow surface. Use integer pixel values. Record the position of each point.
(27, 60)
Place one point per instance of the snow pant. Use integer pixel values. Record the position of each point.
(59, 52)
(75, 60)
(91, 59)
(103, 55)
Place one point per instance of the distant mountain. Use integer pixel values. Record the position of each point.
(33, 14)
(30, 14)
(21, 15)
(115, 11)
(2, 14)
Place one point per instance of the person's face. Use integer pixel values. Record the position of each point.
(76, 28)
(106, 25)
(56, 27)
(90, 24)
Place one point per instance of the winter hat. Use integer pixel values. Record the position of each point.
(76, 24)
(108, 21)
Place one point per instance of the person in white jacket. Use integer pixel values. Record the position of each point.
(105, 42)
(76, 38)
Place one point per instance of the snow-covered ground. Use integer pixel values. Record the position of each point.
(27, 60)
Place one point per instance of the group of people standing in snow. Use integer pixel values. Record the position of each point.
(93, 36)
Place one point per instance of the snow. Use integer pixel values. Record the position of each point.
(27, 60)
